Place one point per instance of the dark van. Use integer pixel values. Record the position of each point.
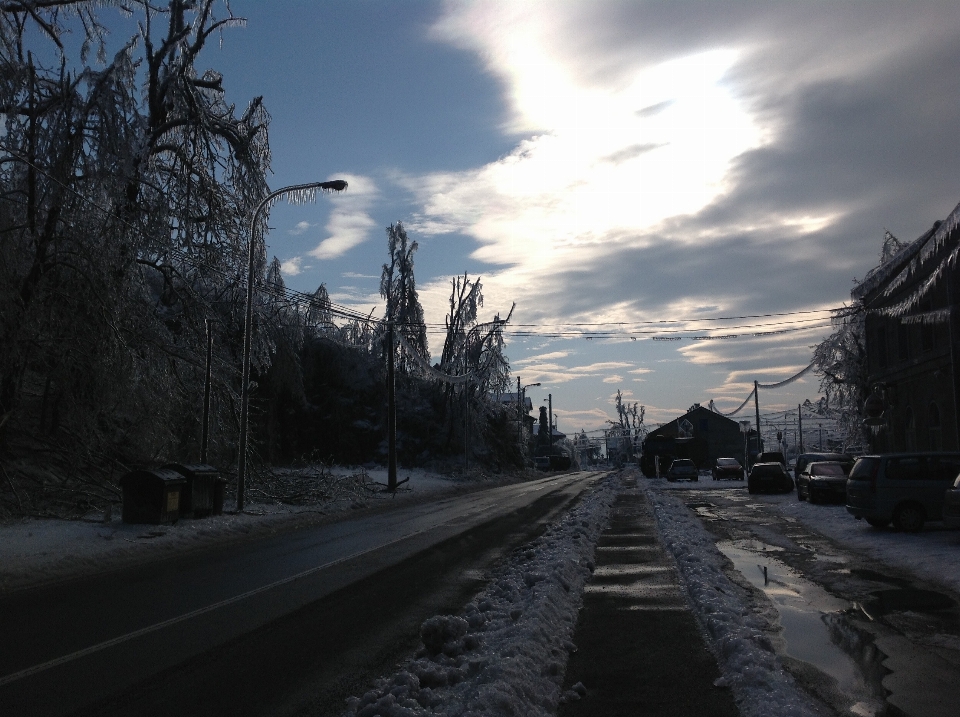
(905, 488)
(805, 459)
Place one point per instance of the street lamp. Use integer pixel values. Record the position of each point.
(297, 194)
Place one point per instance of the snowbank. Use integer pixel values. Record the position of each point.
(506, 653)
(737, 633)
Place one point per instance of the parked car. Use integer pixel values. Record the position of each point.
(769, 477)
(951, 505)
(905, 488)
(727, 468)
(683, 469)
(822, 481)
(771, 457)
(804, 459)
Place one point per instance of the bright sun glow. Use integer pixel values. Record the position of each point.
(602, 163)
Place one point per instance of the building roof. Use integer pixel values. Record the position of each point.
(511, 399)
(919, 266)
(697, 412)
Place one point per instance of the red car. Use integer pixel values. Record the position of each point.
(727, 468)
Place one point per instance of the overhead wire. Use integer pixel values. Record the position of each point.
(538, 330)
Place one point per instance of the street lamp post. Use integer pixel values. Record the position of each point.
(298, 193)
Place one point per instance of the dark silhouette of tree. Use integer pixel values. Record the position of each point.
(398, 286)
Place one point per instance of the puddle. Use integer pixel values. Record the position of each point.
(813, 628)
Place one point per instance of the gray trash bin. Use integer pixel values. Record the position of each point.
(152, 495)
(204, 491)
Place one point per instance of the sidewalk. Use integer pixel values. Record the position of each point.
(640, 651)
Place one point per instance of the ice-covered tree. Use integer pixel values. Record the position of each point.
(628, 427)
(398, 286)
(125, 186)
(840, 360)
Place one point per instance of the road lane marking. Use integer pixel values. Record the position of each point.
(15, 676)
(113, 642)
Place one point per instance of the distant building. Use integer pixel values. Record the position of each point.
(510, 403)
(911, 341)
(700, 434)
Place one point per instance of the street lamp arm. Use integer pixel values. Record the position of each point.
(297, 194)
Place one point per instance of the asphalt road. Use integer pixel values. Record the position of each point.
(289, 625)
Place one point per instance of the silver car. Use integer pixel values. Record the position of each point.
(951, 505)
(683, 469)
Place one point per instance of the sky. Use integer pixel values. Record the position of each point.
(618, 170)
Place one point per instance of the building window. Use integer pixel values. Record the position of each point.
(903, 342)
(910, 431)
(881, 347)
(935, 442)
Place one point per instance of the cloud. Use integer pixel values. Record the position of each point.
(350, 223)
(542, 357)
(673, 162)
(613, 379)
(300, 228)
(292, 267)
(355, 275)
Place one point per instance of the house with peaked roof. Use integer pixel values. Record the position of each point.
(911, 342)
(700, 434)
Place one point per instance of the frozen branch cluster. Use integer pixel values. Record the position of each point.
(125, 185)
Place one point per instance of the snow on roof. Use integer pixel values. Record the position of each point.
(909, 259)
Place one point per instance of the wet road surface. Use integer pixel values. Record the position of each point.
(867, 638)
(278, 626)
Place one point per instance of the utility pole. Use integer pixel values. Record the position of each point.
(205, 432)
(550, 421)
(519, 417)
(756, 406)
(391, 415)
(800, 425)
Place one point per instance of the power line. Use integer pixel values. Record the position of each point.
(566, 330)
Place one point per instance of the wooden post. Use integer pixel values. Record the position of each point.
(205, 431)
(756, 405)
(391, 416)
(800, 424)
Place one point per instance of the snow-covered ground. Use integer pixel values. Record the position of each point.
(506, 653)
(933, 554)
(37, 551)
(735, 630)
(745, 655)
